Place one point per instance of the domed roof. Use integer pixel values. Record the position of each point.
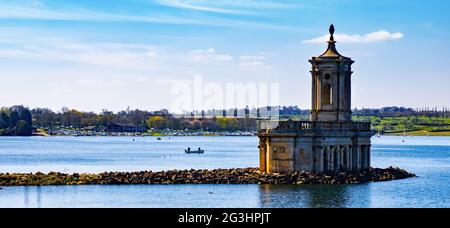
(331, 51)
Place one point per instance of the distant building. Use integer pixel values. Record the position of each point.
(91, 128)
(126, 128)
(330, 141)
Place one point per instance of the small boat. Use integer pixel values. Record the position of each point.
(189, 151)
(159, 139)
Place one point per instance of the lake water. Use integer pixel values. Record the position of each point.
(428, 157)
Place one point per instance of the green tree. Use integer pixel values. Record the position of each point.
(222, 122)
(23, 128)
(4, 120)
(157, 122)
(13, 119)
(227, 123)
(25, 115)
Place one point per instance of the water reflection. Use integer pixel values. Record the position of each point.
(38, 197)
(26, 201)
(314, 196)
(32, 196)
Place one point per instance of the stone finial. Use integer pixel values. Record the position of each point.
(331, 50)
(331, 32)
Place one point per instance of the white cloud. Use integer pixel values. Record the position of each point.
(242, 7)
(253, 61)
(42, 12)
(59, 91)
(114, 55)
(207, 56)
(47, 49)
(365, 38)
(191, 6)
(98, 84)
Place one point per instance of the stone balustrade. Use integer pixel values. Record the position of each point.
(290, 126)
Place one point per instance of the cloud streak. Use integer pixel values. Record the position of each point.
(239, 7)
(190, 6)
(116, 55)
(89, 83)
(43, 12)
(82, 14)
(356, 38)
(208, 55)
(253, 61)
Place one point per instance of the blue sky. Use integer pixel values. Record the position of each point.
(96, 54)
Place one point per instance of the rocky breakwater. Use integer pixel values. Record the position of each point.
(217, 176)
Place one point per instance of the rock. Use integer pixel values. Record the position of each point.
(218, 176)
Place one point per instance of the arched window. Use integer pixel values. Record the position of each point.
(327, 94)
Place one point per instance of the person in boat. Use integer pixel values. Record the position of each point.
(199, 149)
(188, 149)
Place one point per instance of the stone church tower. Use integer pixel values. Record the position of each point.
(330, 141)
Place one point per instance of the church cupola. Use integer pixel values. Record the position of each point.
(331, 141)
(331, 84)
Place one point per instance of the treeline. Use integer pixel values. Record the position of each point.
(403, 112)
(15, 121)
(19, 120)
(159, 120)
(71, 118)
(227, 120)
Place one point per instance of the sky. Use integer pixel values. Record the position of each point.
(99, 54)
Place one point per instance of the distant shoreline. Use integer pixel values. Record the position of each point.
(167, 133)
(156, 136)
(434, 134)
(418, 133)
(175, 133)
(193, 134)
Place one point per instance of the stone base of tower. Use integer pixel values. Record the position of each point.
(310, 146)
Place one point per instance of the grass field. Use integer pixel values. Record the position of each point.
(420, 133)
(413, 125)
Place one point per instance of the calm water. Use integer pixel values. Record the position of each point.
(428, 157)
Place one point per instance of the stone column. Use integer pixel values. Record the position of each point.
(314, 92)
(338, 158)
(269, 155)
(331, 159)
(262, 155)
(361, 157)
(355, 157)
(349, 159)
(366, 157)
(318, 153)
